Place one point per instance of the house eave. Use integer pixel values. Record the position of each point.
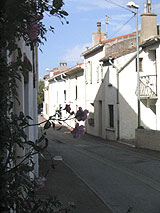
(92, 49)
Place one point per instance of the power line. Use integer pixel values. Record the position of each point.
(122, 26)
(111, 2)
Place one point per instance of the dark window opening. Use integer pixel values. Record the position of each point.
(111, 116)
(140, 64)
(65, 96)
(76, 92)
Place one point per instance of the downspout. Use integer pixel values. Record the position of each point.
(117, 97)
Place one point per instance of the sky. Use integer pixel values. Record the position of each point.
(69, 40)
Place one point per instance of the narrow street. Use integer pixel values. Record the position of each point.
(122, 177)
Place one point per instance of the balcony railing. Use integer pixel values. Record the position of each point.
(148, 86)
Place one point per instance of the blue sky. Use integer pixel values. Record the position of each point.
(70, 40)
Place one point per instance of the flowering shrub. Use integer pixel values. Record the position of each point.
(78, 131)
(80, 115)
(21, 20)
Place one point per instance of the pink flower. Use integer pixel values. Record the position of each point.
(33, 30)
(81, 115)
(78, 131)
(68, 108)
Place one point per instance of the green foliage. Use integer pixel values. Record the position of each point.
(40, 96)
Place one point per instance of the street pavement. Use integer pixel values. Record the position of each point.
(103, 176)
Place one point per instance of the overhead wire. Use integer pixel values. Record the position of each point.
(121, 27)
(111, 2)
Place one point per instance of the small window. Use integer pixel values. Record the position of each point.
(90, 69)
(101, 72)
(65, 95)
(97, 74)
(140, 64)
(111, 116)
(76, 93)
(86, 73)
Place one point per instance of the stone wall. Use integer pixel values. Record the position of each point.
(148, 139)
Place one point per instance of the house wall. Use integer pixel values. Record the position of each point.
(27, 95)
(158, 87)
(56, 97)
(128, 98)
(94, 92)
(76, 81)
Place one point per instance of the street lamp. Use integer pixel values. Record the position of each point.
(131, 4)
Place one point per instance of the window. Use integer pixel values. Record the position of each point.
(86, 73)
(65, 95)
(76, 93)
(111, 116)
(140, 64)
(101, 73)
(98, 74)
(90, 69)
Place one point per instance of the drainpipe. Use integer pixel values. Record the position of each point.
(117, 97)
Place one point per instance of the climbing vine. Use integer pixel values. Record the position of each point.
(21, 21)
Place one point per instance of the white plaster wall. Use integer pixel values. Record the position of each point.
(110, 99)
(76, 79)
(128, 102)
(91, 91)
(158, 87)
(27, 96)
(46, 99)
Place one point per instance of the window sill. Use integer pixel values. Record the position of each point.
(110, 129)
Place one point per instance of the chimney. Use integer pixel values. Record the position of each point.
(98, 37)
(99, 32)
(53, 72)
(63, 66)
(148, 24)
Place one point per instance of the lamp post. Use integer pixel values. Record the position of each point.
(134, 6)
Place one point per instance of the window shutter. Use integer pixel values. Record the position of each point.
(98, 74)
(86, 73)
(101, 73)
(90, 67)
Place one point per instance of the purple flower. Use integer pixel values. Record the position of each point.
(78, 131)
(68, 108)
(33, 30)
(81, 115)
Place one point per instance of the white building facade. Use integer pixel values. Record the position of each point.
(110, 83)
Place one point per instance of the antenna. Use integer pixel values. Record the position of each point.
(106, 22)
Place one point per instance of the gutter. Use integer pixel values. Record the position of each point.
(92, 49)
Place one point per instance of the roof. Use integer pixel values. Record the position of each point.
(46, 76)
(69, 70)
(119, 37)
(94, 48)
(118, 54)
(151, 41)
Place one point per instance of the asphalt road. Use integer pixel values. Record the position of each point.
(122, 178)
